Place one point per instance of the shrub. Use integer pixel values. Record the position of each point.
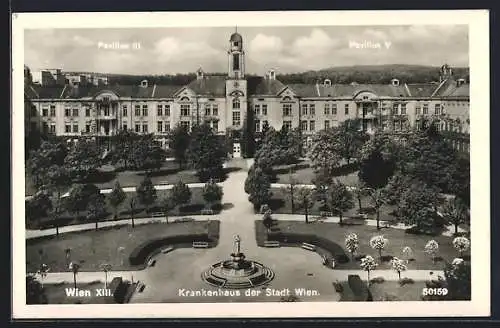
(359, 289)
(377, 280)
(432, 248)
(378, 243)
(352, 243)
(338, 287)
(118, 289)
(461, 244)
(406, 281)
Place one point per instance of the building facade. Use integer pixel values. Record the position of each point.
(91, 109)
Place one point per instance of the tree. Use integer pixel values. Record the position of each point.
(168, 204)
(379, 243)
(407, 253)
(324, 152)
(116, 197)
(74, 267)
(432, 248)
(378, 200)
(179, 143)
(267, 219)
(146, 192)
(212, 192)
(56, 179)
(455, 212)
(55, 212)
(248, 135)
(96, 208)
(352, 243)
(290, 191)
(258, 185)
(38, 206)
(398, 266)
(359, 191)
(349, 139)
(49, 154)
(305, 199)
(79, 198)
(418, 207)
(397, 184)
(181, 194)
(83, 159)
(339, 199)
(132, 205)
(378, 160)
(106, 267)
(461, 244)
(123, 143)
(206, 152)
(368, 264)
(458, 278)
(35, 293)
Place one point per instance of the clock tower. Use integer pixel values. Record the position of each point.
(236, 85)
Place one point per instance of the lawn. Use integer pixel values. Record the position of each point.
(387, 291)
(194, 207)
(397, 240)
(303, 173)
(56, 294)
(92, 248)
(280, 203)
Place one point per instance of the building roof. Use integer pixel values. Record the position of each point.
(209, 85)
(347, 90)
(258, 85)
(422, 89)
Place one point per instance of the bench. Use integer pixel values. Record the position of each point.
(325, 214)
(271, 243)
(309, 247)
(207, 212)
(200, 244)
(157, 214)
(151, 262)
(166, 250)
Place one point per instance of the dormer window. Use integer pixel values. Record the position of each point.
(395, 82)
(327, 83)
(144, 83)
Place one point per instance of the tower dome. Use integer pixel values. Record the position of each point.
(236, 37)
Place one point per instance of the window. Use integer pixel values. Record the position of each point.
(207, 110)
(312, 125)
(185, 110)
(53, 111)
(327, 109)
(167, 110)
(124, 110)
(52, 127)
(236, 62)
(437, 109)
(67, 128)
(403, 109)
(264, 109)
(185, 125)
(304, 109)
(215, 110)
(160, 126)
(45, 127)
(159, 109)
(87, 112)
(137, 110)
(75, 112)
(75, 128)
(215, 125)
(167, 126)
(236, 119)
(67, 112)
(312, 109)
(257, 109)
(334, 109)
(137, 127)
(125, 127)
(346, 109)
(144, 110)
(417, 109)
(45, 111)
(257, 126)
(265, 124)
(395, 108)
(425, 109)
(303, 126)
(327, 124)
(287, 125)
(236, 104)
(106, 111)
(145, 128)
(287, 109)
(87, 128)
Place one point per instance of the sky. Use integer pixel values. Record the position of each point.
(286, 49)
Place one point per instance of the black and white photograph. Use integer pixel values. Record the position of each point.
(237, 164)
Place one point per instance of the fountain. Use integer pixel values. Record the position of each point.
(237, 272)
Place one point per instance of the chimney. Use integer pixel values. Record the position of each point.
(144, 83)
(271, 75)
(199, 74)
(395, 82)
(327, 83)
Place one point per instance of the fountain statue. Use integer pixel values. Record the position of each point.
(237, 272)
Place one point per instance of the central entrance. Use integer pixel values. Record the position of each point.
(236, 150)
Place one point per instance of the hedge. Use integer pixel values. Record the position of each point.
(334, 249)
(118, 289)
(359, 289)
(140, 254)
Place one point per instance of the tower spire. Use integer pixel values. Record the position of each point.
(236, 28)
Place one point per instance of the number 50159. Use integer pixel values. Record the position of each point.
(434, 291)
